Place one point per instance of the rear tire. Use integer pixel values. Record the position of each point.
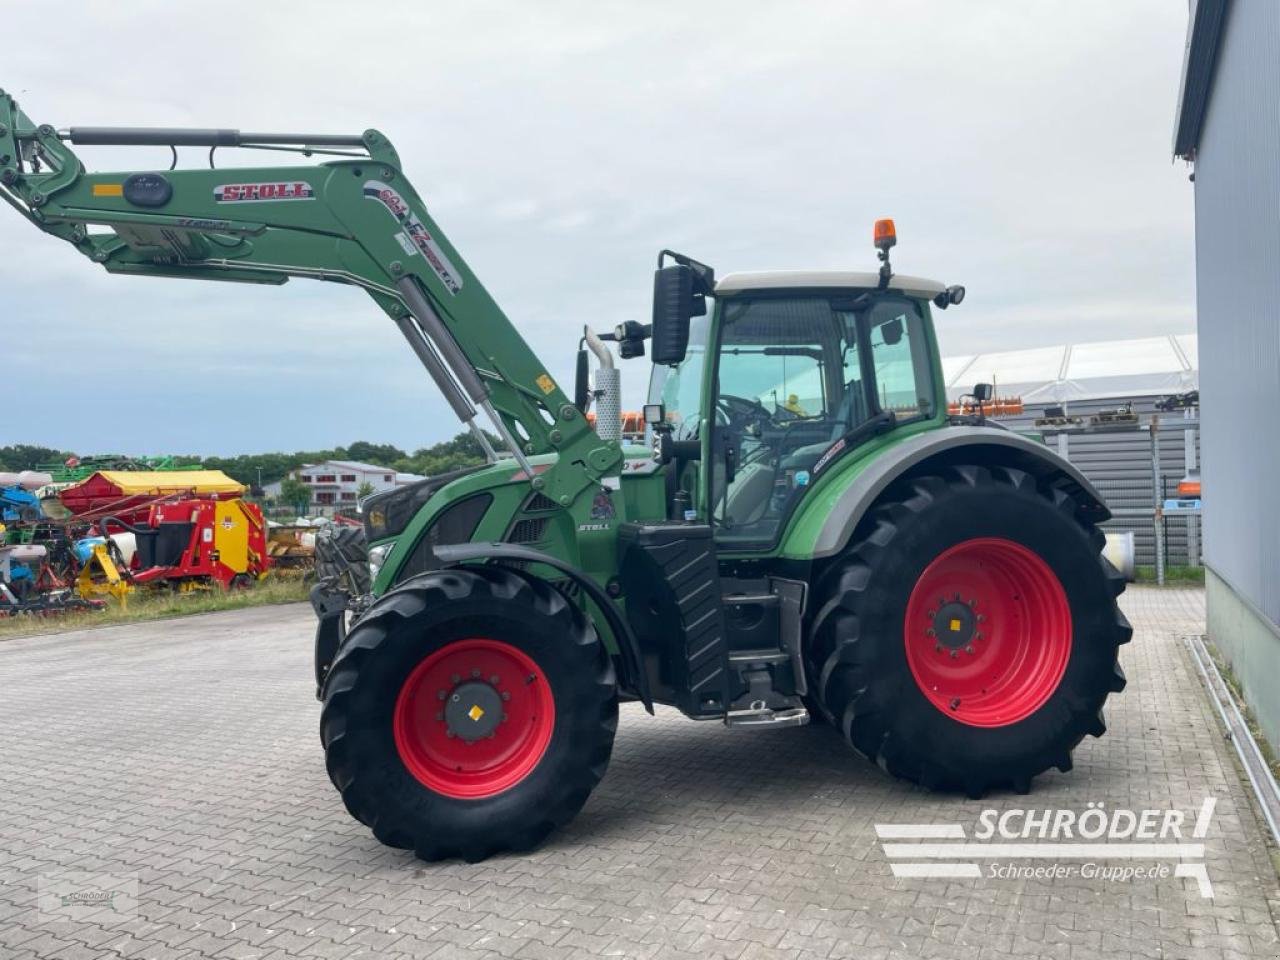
(513, 749)
(967, 638)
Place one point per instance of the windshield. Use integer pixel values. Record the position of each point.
(795, 376)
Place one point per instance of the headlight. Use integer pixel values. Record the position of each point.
(376, 556)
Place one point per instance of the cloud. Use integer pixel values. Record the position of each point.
(1022, 148)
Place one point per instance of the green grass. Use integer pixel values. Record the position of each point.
(155, 604)
(1173, 575)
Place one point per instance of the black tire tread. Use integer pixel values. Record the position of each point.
(845, 686)
(374, 631)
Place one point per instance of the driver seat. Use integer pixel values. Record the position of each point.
(850, 412)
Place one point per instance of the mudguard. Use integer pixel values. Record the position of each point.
(955, 444)
(633, 675)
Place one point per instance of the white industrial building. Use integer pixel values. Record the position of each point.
(1109, 370)
(336, 484)
(1088, 379)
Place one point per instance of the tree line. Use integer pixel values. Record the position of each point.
(253, 469)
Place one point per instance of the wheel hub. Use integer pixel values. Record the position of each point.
(473, 711)
(955, 624)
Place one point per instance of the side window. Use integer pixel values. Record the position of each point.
(679, 388)
(904, 381)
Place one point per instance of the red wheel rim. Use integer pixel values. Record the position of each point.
(988, 632)
(474, 718)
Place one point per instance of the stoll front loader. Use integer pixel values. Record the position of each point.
(811, 535)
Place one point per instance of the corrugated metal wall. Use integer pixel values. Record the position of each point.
(1119, 464)
(1237, 195)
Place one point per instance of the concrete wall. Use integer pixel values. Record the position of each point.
(1251, 644)
(1237, 197)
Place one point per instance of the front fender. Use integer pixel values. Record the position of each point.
(632, 661)
(988, 446)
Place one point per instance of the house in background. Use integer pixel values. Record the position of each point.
(1228, 128)
(336, 484)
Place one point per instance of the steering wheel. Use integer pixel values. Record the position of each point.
(741, 410)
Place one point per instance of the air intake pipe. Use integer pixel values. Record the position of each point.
(608, 389)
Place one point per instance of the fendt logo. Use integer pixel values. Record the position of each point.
(261, 192)
(1077, 844)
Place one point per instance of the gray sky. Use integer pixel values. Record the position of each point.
(1022, 147)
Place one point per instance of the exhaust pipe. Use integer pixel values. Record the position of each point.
(608, 389)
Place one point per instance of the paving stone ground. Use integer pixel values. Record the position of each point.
(180, 759)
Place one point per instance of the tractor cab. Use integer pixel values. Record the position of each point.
(786, 373)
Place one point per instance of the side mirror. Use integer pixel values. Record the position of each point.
(891, 331)
(674, 304)
(982, 392)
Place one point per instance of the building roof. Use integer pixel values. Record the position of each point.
(1081, 371)
(838, 279)
(355, 465)
(1205, 22)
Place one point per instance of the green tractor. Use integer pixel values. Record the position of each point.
(810, 535)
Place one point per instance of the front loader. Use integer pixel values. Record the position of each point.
(810, 535)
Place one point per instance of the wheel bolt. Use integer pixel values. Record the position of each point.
(455, 698)
(504, 718)
(449, 734)
(954, 654)
(969, 649)
(475, 674)
(937, 648)
(506, 695)
(981, 618)
(955, 704)
(442, 695)
(930, 632)
(455, 679)
(492, 734)
(977, 636)
(494, 680)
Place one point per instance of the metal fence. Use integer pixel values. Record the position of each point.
(1120, 464)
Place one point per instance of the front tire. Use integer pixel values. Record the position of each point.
(968, 637)
(469, 711)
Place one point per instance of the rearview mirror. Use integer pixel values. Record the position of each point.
(891, 332)
(674, 304)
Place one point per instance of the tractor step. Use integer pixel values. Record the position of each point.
(744, 657)
(767, 717)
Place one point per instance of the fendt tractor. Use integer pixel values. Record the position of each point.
(810, 534)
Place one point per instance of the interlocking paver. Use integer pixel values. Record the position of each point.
(184, 754)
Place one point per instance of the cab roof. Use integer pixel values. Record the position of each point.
(739, 283)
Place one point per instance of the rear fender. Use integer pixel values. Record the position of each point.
(988, 446)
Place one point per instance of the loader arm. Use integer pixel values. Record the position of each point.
(354, 219)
